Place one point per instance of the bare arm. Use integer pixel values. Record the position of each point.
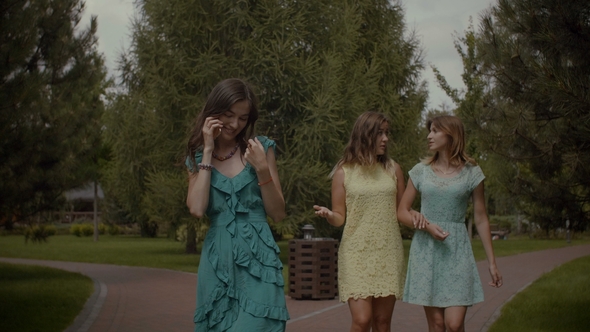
(405, 204)
(199, 183)
(416, 219)
(401, 186)
(265, 166)
(337, 215)
(483, 229)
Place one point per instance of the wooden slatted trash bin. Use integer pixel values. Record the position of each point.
(313, 268)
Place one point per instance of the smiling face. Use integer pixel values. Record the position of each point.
(382, 139)
(437, 139)
(234, 120)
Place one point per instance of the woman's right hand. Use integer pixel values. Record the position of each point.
(211, 130)
(436, 232)
(418, 219)
(323, 211)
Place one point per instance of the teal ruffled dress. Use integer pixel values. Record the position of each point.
(240, 281)
(443, 273)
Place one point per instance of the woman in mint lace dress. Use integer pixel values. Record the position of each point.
(442, 275)
(233, 180)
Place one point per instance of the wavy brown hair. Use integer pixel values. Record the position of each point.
(362, 148)
(454, 129)
(220, 99)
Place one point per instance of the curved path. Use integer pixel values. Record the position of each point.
(129, 299)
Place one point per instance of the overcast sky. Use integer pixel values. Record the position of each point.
(435, 21)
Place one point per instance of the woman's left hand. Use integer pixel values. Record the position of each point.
(496, 277)
(255, 155)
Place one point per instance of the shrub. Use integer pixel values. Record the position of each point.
(101, 228)
(76, 229)
(39, 233)
(82, 229)
(87, 229)
(114, 229)
(201, 232)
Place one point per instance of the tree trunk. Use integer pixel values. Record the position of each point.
(95, 215)
(191, 238)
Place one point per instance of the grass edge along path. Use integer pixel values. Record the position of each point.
(557, 301)
(38, 298)
(168, 254)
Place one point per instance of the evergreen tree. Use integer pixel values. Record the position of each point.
(535, 114)
(51, 82)
(316, 65)
(469, 103)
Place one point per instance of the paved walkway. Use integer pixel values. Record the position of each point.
(129, 299)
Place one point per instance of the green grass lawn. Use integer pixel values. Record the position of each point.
(519, 245)
(118, 250)
(36, 298)
(558, 301)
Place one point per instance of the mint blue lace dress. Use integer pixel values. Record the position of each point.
(240, 281)
(443, 273)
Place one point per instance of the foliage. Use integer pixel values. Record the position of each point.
(113, 229)
(87, 229)
(52, 81)
(315, 66)
(537, 118)
(39, 233)
(470, 103)
(182, 231)
(530, 107)
(36, 298)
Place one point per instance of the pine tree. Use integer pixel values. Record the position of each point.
(316, 65)
(52, 79)
(535, 116)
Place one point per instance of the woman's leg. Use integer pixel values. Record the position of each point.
(382, 311)
(455, 319)
(360, 311)
(436, 319)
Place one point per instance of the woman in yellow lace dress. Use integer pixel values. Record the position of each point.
(367, 186)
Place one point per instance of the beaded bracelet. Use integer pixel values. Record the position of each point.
(206, 167)
(265, 182)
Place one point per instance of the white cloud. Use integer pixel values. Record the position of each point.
(435, 21)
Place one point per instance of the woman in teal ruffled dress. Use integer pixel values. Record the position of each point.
(233, 179)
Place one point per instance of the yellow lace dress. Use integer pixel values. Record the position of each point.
(371, 255)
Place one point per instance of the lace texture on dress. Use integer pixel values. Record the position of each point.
(370, 257)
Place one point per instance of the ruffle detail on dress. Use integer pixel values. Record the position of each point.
(263, 261)
(235, 184)
(218, 314)
(254, 250)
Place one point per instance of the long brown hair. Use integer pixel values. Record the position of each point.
(453, 128)
(362, 148)
(220, 99)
